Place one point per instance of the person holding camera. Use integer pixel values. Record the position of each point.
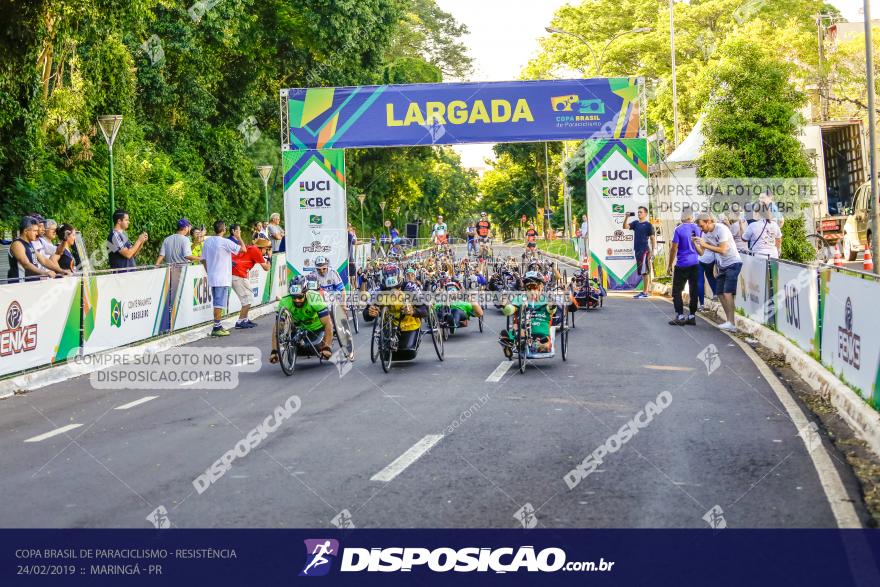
(644, 244)
(728, 264)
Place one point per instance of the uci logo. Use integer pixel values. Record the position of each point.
(314, 202)
(617, 174)
(314, 186)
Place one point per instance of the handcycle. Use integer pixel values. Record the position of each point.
(525, 347)
(386, 336)
(294, 343)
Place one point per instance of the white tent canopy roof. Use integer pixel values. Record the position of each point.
(689, 149)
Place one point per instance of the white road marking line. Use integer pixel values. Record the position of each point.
(136, 402)
(499, 372)
(52, 433)
(406, 459)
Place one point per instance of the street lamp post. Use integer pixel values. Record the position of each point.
(597, 62)
(674, 74)
(872, 134)
(109, 125)
(361, 198)
(265, 171)
(382, 205)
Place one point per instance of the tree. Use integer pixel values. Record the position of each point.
(751, 126)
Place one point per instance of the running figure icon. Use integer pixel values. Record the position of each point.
(319, 554)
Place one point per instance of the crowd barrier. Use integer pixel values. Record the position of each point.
(55, 320)
(825, 310)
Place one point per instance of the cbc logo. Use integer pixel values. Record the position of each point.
(314, 202)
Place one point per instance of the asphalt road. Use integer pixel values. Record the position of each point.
(724, 440)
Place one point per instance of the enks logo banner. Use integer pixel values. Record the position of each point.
(451, 113)
(39, 323)
(617, 183)
(849, 334)
(315, 210)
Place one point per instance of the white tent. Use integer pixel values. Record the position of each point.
(689, 149)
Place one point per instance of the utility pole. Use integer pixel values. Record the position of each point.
(674, 76)
(872, 130)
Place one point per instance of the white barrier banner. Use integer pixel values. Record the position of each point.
(279, 279)
(851, 330)
(41, 323)
(751, 290)
(796, 293)
(124, 307)
(193, 304)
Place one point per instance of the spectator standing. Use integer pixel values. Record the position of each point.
(737, 227)
(395, 235)
(275, 232)
(259, 231)
(47, 237)
(683, 254)
(198, 240)
(242, 263)
(764, 237)
(585, 231)
(121, 252)
(644, 245)
(62, 255)
(176, 249)
(24, 261)
(44, 248)
(718, 239)
(217, 253)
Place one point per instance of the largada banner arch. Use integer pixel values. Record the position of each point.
(319, 123)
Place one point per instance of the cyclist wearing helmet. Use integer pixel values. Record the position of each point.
(458, 311)
(328, 279)
(309, 311)
(407, 315)
(439, 231)
(531, 237)
(542, 310)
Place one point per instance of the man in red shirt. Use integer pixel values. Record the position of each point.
(242, 263)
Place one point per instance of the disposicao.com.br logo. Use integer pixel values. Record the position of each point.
(320, 554)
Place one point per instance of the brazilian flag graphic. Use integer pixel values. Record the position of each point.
(115, 313)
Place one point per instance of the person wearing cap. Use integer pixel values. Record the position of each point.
(176, 249)
(24, 262)
(122, 252)
(242, 263)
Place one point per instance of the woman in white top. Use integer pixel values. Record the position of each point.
(764, 237)
(737, 229)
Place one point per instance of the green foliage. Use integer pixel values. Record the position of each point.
(179, 151)
(795, 246)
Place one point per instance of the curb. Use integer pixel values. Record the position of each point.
(51, 375)
(862, 418)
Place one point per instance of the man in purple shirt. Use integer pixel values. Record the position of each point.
(684, 255)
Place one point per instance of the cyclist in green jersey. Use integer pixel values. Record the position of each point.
(541, 309)
(308, 311)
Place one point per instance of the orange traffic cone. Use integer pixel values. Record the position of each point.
(838, 258)
(869, 261)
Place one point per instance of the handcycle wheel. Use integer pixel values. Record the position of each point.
(386, 335)
(563, 335)
(436, 335)
(480, 322)
(374, 341)
(522, 344)
(571, 316)
(342, 331)
(354, 316)
(284, 342)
